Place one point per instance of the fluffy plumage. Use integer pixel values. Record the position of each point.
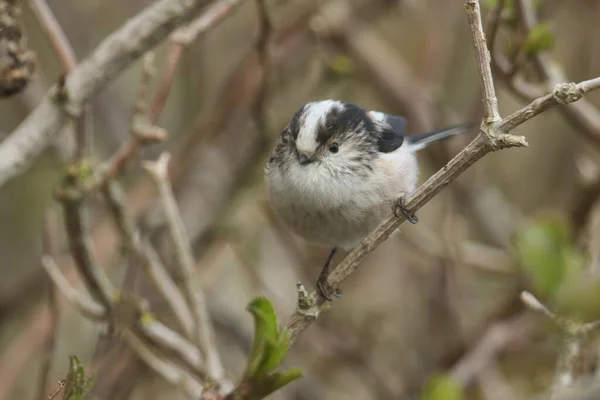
(337, 170)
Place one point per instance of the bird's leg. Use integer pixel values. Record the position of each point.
(324, 288)
(401, 208)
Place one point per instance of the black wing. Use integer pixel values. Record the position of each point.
(392, 135)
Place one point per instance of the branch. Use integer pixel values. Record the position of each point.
(262, 49)
(490, 102)
(573, 333)
(112, 56)
(60, 44)
(180, 40)
(49, 234)
(204, 334)
(583, 113)
(144, 256)
(166, 369)
(85, 305)
(80, 243)
(495, 138)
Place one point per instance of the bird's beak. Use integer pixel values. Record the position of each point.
(304, 159)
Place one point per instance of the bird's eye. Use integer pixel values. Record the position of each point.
(334, 147)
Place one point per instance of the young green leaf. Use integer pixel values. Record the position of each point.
(540, 38)
(442, 388)
(546, 254)
(78, 385)
(265, 335)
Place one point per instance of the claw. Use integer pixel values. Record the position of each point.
(401, 208)
(323, 288)
(326, 291)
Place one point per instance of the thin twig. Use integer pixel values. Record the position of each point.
(204, 334)
(60, 44)
(180, 40)
(84, 304)
(113, 55)
(574, 333)
(49, 243)
(490, 102)
(494, 26)
(65, 54)
(56, 391)
(564, 93)
(143, 132)
(166, 369)
(80, 243)
(262, 49)
(144, 256)
(492, 343)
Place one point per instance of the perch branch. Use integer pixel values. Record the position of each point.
(114, 54)
(495, 138)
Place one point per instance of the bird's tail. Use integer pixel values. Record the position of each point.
(419, 142)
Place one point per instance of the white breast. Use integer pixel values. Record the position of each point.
(340, 211)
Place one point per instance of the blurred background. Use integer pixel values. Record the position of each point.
(435, 309)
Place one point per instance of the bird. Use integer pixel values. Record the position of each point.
(338, 170)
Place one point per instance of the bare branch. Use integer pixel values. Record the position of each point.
(80, 243)
(113, 55)
(204, 334)
(49, 247)
(180, 40)
(262, 48)
(493, 342)
(61, 45)
(146, 258)
(171, 340)
(490, 102)
(85, 305)
(563, 93)
(573, 332)
(166, 369)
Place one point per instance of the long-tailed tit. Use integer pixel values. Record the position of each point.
(338, 170)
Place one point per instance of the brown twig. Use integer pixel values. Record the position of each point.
(65, 54)
(180, 40)
(60, 44)
(49, 244)
(262, 49)
(114, 54)
(143, 132)
(56, 391)
(493, 342)
(482, 54)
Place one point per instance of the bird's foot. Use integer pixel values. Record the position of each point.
(400, 208)
(325, 290)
